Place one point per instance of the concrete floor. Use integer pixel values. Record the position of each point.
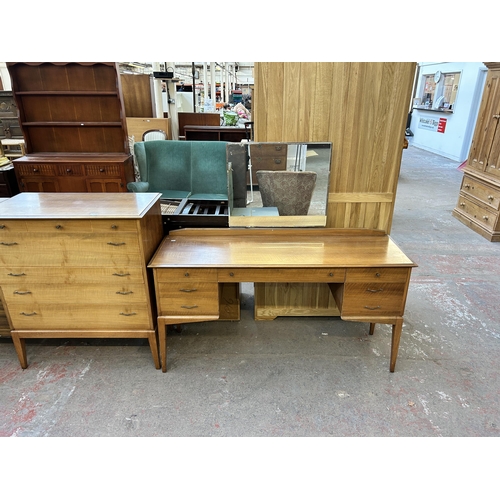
(310, 377)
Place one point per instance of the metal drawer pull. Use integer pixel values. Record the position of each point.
(59, 226)
(114, 226)
(2, 226)
(485, 217)
(231, 274)
(128, 314)
(491, 197)
(124, 293)
(121, 274)
(377, 275)
(8, 244)
(189, 307)
(17, 274)
(17, 292)
(28, 314)
(374, 291)
(116, 244)
(188, 290)
(330, 274)
(372, 308)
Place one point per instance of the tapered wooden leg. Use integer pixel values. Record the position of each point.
(162, 336)
(372, 328)
(153, 345)
(396, 337)
(20, 346)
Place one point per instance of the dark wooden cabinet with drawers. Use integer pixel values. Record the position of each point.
(73, 122)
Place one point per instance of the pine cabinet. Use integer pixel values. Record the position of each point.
(478, 204)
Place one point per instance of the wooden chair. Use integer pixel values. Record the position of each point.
(289, 192)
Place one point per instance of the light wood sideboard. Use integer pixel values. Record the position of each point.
(366, 273)
(74, 266)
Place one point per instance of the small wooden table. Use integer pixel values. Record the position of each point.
(367, 273)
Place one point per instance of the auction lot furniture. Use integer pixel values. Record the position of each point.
(73, 122)
(74, 266)
(366, 272)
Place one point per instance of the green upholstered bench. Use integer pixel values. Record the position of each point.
(196, 170)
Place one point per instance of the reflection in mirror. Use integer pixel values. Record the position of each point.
(278, 184)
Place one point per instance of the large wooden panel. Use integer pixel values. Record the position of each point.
(137, 99)
(361, 108)
(137, 126)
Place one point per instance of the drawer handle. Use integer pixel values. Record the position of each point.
(17, 292)
(372, 308)
(462, 204)
(485, 217)
(28, 314)
(35, 170)
(17, 274)
(330, 274)
(189, 307)
(231, 274)
(102, 170)
(127, 314)
(490, 197)
(121, 274)
(124, 293)
(374, 291)
(467, 186)
(68, 170)
(377, 275)
(2, 226)
(114, 226)
(116, 244)
(277, 161)
(186, 274)
(188, 290)
(59, 226)
(8, 244)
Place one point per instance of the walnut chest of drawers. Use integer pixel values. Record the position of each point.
(74, 265)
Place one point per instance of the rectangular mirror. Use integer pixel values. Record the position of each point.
(278, 184)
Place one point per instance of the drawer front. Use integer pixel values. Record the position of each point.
(105, 169)
(57, 226)
(70, 249)
(111, 225)
(116, 276)
(65, 295)
(382, 274)
(296, 275)
(268, 151)
(478, 213)
(482, 192)
(189, 299)
(69, 169)
(185, 274)
(374, 299)
(80, 317)
(35, 169)
(11, 225)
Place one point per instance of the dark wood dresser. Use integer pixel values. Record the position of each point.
(73, 122)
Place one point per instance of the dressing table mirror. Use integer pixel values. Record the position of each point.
(278, 184)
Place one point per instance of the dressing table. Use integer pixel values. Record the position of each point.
(367, 274)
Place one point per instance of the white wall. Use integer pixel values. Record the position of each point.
(455, 141)
(4, 75)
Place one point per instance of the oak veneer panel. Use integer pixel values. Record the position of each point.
(361, 108)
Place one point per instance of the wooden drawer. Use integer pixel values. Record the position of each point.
(296, 275)
(71, 249)
(110, 225)
(478, 213)
(64, 295)
(373, 299)
(185, 274)
(12, 225)
(382, 274)
(190, 299)
(483, 192)
(104, 169)
(68, 275)
(56, 226)
(80, 317)
(35, 169)
(69, 169)
(272, 150)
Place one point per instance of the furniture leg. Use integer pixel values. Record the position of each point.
(372, 328)
(162, 335)
(396, 337)
(20, 346)
(153, 345)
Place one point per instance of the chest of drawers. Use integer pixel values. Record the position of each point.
(74, 265)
